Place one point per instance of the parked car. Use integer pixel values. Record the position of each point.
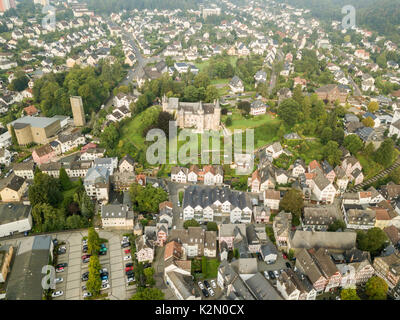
(62, 265)
(201, 285)
(205, 293)
(85, 256)
(129, 264)
(87, 295)
(276, 273)
(207, 284)
(128, 257)
(84, 242)
(59, 280)
(102, 253)
(272, 275)
(105, 281)
(266, 275)
(211, 291)
(130, 280)
(85, 276)
(129, 273)
(85, 249)
(288, 265)
(104, 276)
(105, 286)
(125, 245)
(127, 251)
(86, 260)
(62, 250)
(213, 284)
(57, 294)
(259, 256)
(58, 270)
(128, 269)
(84, 288)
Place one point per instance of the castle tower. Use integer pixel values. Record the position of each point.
(217, 115)
(78, 111)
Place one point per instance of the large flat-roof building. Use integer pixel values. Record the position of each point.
(25, 279)
(39, 130)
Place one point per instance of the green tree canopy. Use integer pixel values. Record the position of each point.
(372, 240)
(148, 294)
(293, 202)
(353, 143)
(385, 153)
(349, 294)
(376, 288)
(191, 223)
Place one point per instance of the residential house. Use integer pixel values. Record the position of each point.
(13, 189)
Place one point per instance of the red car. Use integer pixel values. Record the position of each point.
(128, 269)
(86, 256)
(127, 251)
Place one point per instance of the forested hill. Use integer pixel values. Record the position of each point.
(382, 16)
(109, 6)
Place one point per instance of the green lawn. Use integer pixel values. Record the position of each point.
(212, 269)
(370, 167)
(132, 131)
(72, 191)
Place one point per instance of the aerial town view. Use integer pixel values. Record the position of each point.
(209, 150)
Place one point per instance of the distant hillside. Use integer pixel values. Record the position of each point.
(109, 6)
(382, 16)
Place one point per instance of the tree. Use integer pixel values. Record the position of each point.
(336, 225)
(376, 288)
(244, 106)
(149, 272)
(147, 199)
(385, 153)
(353, 143)
(93, 241)
(228, 121)
(163, 121)
(64, 180)
(395, 176)
(369, 149)
(94, 282)
(368, 122)
(75, 222)
(289, 112)
(110, 137)
(148, 294)
(211, 94)
(212, 226)
(373, 240)
(201, 80)
(45, 189)
(326, 135)
(373, 106)
(293, 202)
(191, 223)
(86, 205)
(349, 294)
(332, 153)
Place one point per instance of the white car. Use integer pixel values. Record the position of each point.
(211, 291)
(57, 294)
(87, 295)
(130, 280)
(59, 280)
(276, 273)
(213, 284)
(104, 281)
(105, 287)
(103, 270)
(266, 275)
(84, 242)
(201, 285)
(126, 258)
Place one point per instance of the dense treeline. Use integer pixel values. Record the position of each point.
(94, 85)
(108, 6)
(382, 16)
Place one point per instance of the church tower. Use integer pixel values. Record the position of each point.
(77, 111)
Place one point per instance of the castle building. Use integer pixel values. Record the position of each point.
(78, 111)
(194, 115)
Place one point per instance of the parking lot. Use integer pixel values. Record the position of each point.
(113, 261)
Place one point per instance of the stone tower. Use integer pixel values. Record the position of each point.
(78, 111)
(217, 115)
